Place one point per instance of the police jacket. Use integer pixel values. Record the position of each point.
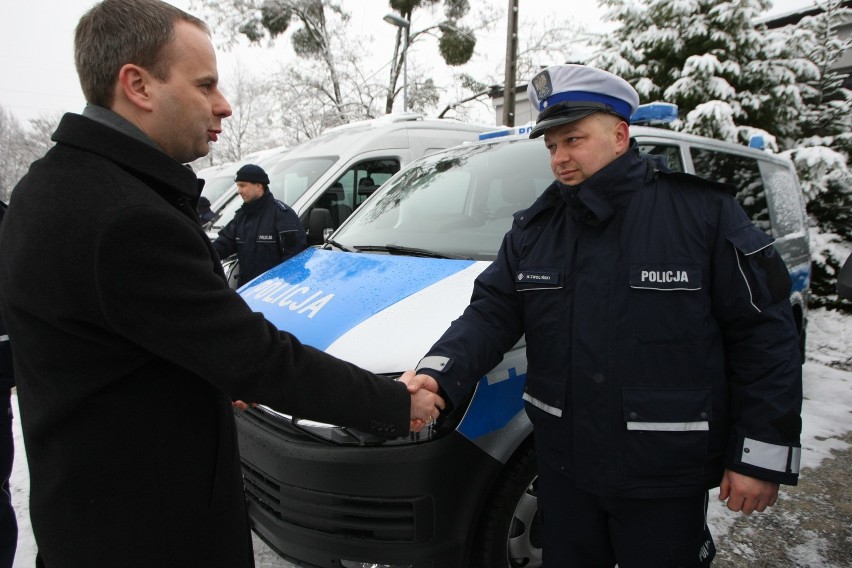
(263, 233)
(129, 350)
(7, 379)
(660, 340)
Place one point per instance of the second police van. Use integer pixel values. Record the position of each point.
(379, 293)
(327, 177)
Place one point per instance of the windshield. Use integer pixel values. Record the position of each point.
(288, 180)
(456, 203)
(215, 187)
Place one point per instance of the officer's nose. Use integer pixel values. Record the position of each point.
(560, 154)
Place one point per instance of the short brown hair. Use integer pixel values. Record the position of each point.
(117, 32)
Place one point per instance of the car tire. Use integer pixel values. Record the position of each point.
(509, 531)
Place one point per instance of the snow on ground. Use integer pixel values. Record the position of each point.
(826, 415)
(827, 403)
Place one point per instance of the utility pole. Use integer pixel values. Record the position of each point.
(511, 65)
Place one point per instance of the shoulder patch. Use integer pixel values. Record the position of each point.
(281, 205)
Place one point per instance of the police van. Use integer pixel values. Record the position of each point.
(326, 178)
(379, 293)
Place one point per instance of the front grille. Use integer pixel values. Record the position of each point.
(380, 520)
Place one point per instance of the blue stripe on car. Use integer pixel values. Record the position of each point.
(318, 295)
(493, 406)
(801, 276)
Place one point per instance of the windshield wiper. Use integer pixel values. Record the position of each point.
(344, 248)
(410, 251)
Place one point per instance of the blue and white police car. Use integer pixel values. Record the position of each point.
(379, 293)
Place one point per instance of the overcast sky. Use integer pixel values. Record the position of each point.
(36, 44)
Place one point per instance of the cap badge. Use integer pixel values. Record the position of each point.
(542, 85)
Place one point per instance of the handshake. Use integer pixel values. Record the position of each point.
(426, 404)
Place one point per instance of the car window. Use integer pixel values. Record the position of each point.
(215, 187)
(288, 180)
(457, 202)
(743, 172)
(784, 197)
(668, 154)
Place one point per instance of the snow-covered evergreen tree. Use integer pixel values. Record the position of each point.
(824, 148)
(693, 52)
(732, 78)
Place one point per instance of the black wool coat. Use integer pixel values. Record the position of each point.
(129, 348)
(7, 378)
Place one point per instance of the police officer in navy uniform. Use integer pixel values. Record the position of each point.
(205, 214)
(264, 231)
(662, 353)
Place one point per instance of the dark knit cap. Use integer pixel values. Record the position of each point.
(252, 174)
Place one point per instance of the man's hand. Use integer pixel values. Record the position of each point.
(240, 405)
(747, 494)
(416, 382)
(426, 405)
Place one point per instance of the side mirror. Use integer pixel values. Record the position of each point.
(844, 279)
(319, 225)
(231, 266)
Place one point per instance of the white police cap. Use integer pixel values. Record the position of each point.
(566, 93)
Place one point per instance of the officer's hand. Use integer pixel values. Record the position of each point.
(426, 405)
(416, 382)
(747, 494)
(240, 405)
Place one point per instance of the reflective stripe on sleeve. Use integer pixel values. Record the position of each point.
(545, 407)
(669, 426)
(771, 456)
(434, 362)
(4, 338)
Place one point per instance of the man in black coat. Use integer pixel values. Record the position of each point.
(264, 232)
(129, 346)
(8, 523)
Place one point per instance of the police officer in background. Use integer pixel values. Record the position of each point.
(205, 214)
(8, 523)
(663, 356)
(264, 231)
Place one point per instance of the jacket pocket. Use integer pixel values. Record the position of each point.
(540, 289)
(666, 302)
(666, 432)
(546, 394)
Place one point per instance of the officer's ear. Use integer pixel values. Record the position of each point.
(622, 137)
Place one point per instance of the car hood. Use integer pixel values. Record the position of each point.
(379, 311)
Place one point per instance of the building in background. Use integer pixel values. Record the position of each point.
(843, 28)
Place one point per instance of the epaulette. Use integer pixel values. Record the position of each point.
(698, 181)
(281, 205)
(544, 202)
